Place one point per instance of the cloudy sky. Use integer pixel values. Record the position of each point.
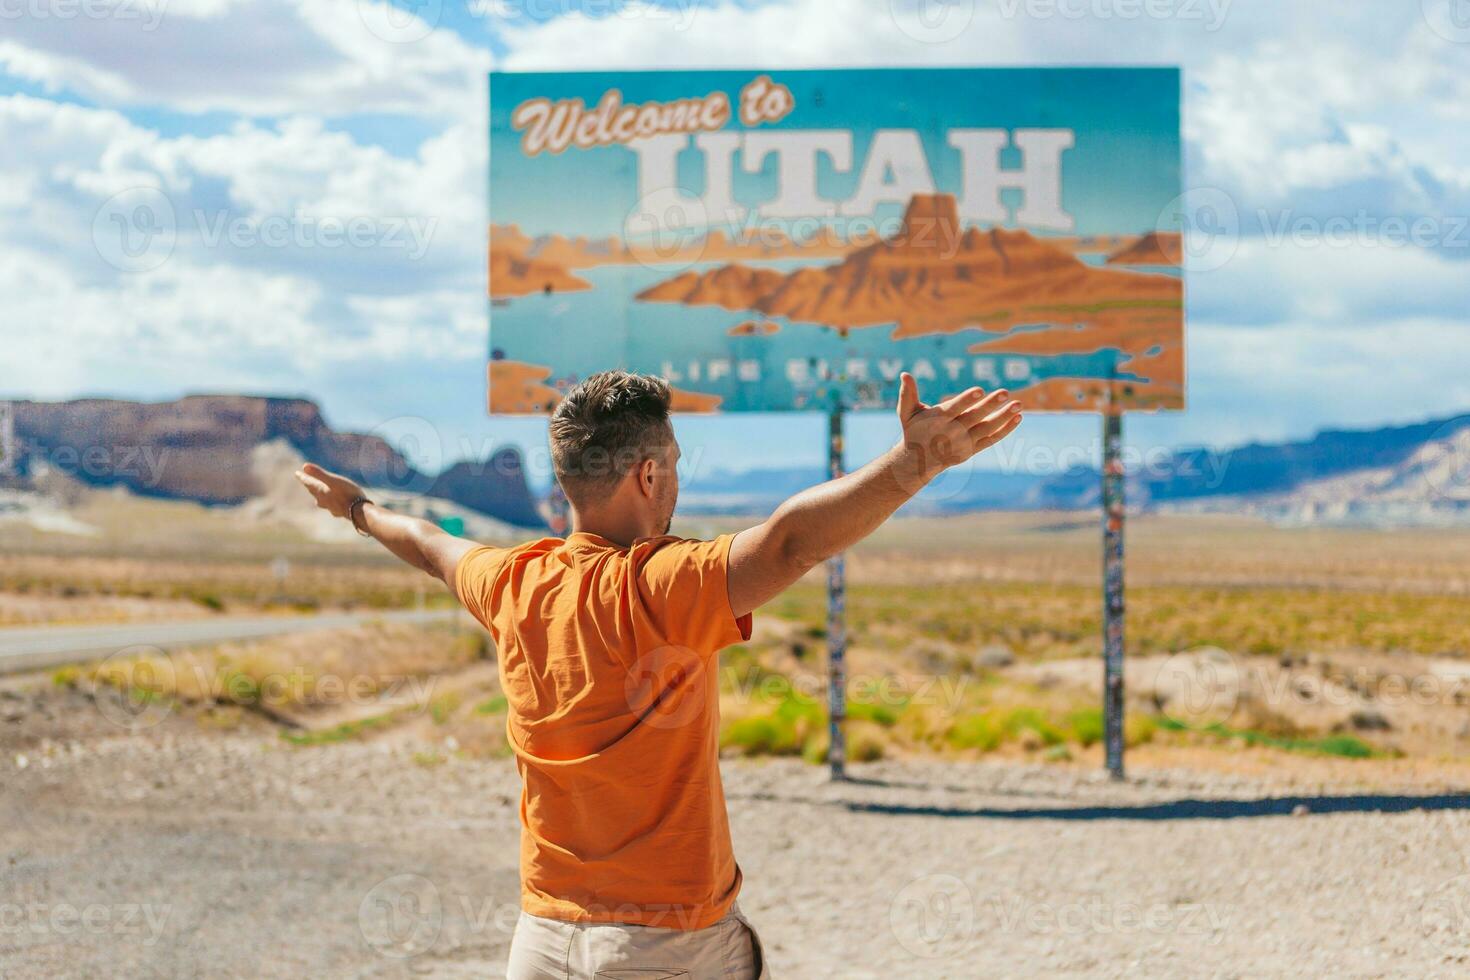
(316, 169)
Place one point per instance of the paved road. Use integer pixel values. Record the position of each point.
(34, 648)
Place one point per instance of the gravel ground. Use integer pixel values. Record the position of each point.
(235, 856)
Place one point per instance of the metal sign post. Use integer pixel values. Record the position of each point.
(836, 620)
(1113, 607)
(8, 452)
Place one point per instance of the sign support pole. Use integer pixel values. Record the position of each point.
(1113, 604)
(836, 621)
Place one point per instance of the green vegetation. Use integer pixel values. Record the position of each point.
(788, 723)
(1342, 746)
(340, 733)
(791, 726)
(495, 706)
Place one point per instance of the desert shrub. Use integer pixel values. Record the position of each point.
(494, 706)
(979, 731)
(1085, 726)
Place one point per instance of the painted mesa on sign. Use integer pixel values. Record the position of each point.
(932, 276)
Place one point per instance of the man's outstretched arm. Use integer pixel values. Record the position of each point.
(827, 519)
(418, 542)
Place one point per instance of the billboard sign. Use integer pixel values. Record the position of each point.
(794, 240)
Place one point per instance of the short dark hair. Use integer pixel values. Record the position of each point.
(605, 427)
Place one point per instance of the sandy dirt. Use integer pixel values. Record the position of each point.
(182, 854)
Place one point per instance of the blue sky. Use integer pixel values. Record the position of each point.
(313, 176)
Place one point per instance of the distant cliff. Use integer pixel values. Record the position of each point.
(496, 487)
(199, 448)
(1390, 469)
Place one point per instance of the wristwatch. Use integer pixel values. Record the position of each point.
(352, 515)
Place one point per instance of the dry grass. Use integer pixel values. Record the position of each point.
(928, 601)
(1050, 620)
(93, 585)
(353, 673)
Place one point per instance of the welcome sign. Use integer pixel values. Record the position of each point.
(789, 240)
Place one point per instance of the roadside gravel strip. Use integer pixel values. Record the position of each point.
(185, 856)
(35, 648)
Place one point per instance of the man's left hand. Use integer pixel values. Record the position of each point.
(333, 492)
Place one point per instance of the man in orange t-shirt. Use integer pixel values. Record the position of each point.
(608, 645)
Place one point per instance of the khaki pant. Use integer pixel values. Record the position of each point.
(549, 949)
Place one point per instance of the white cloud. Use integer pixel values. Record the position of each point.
(1358, 103)
(294, 198)
(1363, 109)
(232, 313)
(265, 57)
(1345, 283)
(1287, 118)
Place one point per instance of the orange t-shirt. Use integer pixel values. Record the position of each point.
(608, 662)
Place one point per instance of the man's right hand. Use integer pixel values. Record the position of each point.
(820, 522)
(957, 429)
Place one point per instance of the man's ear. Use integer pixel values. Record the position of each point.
(647, 476)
